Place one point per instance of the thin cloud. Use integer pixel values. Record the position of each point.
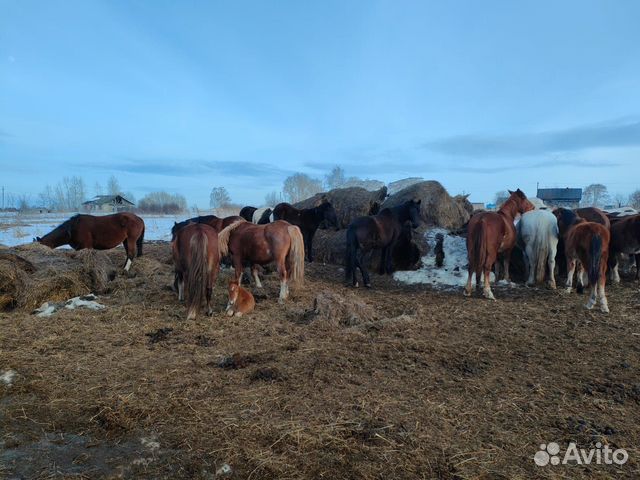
(610, 134)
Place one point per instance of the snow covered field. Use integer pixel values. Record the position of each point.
(17, 228)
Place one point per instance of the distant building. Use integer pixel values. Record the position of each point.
(478, 206)
(560, 197)
(108, 203)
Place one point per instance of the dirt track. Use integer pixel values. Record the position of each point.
(398, 382)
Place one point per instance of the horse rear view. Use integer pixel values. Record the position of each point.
(491, 233)
(538, 231)
(197, 262)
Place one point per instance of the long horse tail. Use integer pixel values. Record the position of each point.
(197, 273)
(478, 253)
(223, 238)
(140, 241)
(352, 251)
(541, 241)
(595, 255)
(296, 255)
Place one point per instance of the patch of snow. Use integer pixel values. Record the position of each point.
(224, 471)
(88, 301)
(453, 272)
(150, 443)
(7, 377)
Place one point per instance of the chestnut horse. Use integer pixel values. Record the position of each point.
(378, 231)
(278, 242)
(590, 214)
(197, 262)
(587, 246)
(625, 239)
(308, 219)
(100, 233)
(214, 222)
(491, 233)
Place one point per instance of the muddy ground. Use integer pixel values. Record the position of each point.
(394, 382)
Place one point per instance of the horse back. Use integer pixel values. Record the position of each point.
(496, 228)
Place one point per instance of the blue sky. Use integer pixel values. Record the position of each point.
(184, 96)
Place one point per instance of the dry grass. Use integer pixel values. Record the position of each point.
(423, 384)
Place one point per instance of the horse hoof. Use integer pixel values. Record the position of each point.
(588, 305)
(356, 285)
(567, 290)
(238, 314)
(604, 309)
(229, 313)
(466, 293)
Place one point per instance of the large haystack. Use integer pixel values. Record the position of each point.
(438, 209)
(33, 274)
(349, 203)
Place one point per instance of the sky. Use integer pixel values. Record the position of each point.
(184, 96)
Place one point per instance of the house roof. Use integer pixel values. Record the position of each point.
(107, 199)
(570, 194)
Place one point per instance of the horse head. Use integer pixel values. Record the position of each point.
(329, 215)
(414, 211)
(522, 203)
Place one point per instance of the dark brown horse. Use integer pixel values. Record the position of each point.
(278, 242)
(625, 239)
(214, 222)
(490, 234)
(100, 233)
(587, 247)
(197, 262)
(378, 231)
(308, 220)
(247, 213)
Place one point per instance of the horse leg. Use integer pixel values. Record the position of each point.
(582, 279)
(468, 289)
(284, 287)
(531, 262)
(487, 284)
(308, 247)
(637, 258)
(505, 262)
(256, 277)
(181, 288)
(362, 262)
(604, 306)
(551, 262)
(127, 262)
(383, 260)
(615, 274)
(571, 267)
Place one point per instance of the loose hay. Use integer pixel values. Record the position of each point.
(338, 310)
(33, 274)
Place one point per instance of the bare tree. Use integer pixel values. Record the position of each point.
(595, 195)
(620, 200)
(335, 179)
(219, 197)
(299, 186)
(272, 199)
(162, 202)
(113, 186)
(634, 200)
(97, 189)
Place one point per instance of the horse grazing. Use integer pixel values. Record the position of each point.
(100, 233)
(586, 246)
(625, 239)
(491, 233)
(278, 242)
(214, 222)
(538, 232)
(378, 231)
(197, 262)
(308, 220)
(240, 300)
(247, 213)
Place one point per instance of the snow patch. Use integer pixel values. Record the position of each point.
(87, 301)
(7, 377)
(453, 272)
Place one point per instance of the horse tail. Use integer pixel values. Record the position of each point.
(140, 241)
(296, 255)
(352, 251)
(478, 252)
(197, 273)
(541, 241)
(224, 236)
(595, 255)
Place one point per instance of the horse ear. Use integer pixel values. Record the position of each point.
(510, 192)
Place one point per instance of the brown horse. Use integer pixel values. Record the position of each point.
(625, 239)
(196, 261)
(278, 242)
(214, 222)
(100, 233)
(594, 214)
(308, 220)
(586, 246)
(491, 233)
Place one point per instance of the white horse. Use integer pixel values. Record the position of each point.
(538, 232)
(260, 212)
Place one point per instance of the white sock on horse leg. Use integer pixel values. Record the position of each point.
(127, 265)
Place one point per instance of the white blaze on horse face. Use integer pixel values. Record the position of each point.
(127, 265)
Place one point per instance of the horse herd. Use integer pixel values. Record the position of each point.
(590, 241)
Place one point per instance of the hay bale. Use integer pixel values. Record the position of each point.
(33, 274)
(438, 208)
(349, 203)
(338, 310)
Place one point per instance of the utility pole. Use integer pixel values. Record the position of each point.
(3, 198)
